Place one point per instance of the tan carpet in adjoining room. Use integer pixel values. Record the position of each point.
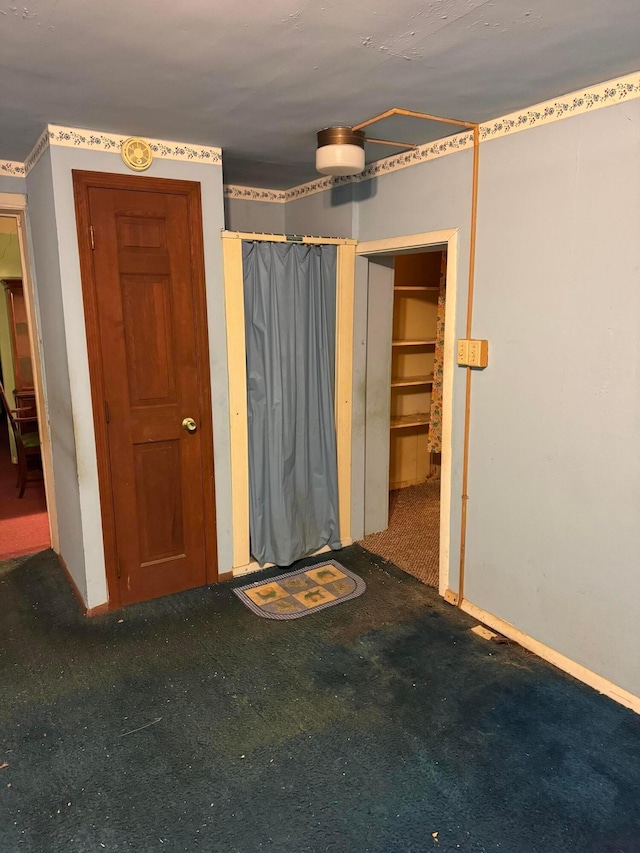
(412, 540)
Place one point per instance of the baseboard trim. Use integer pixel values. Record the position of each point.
(592, 679)
(225, 576)
(96, 611)
(451, 597)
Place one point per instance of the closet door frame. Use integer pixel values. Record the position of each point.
(447, 238)
(236, 357)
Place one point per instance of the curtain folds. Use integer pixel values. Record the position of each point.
(434, 440)
(290, 312)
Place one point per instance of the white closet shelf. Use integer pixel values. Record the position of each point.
(414, 343)
(404, 421)
(403, 381)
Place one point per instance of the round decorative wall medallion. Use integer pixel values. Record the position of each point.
(136, 153)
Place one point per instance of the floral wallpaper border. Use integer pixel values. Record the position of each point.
(604, 95)
(37, 151)
(12, 169)
(71, 137)
(255, 194)
(596, 97)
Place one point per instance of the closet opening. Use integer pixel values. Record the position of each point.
(408, 422)
(24, 520)
(291, 306)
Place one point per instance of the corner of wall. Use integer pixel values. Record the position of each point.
(47, 282)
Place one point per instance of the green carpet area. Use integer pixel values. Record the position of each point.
(379, 725)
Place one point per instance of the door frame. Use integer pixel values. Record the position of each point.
(431, 239)
(83, 181)
(14, 206)
(236, 355)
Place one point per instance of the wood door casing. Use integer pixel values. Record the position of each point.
(145, 310)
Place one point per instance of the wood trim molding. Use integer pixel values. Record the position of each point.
(97, 610)
(345, 292)
(286, 238)
(571, 667)
(449, 368)
(83, 221)
(448, 238)
(450, 597)
(13, 202)
(196, 245)
(82, 181)
(409, 241)
(238, 425)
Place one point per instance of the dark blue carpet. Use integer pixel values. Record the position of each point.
(369, 726)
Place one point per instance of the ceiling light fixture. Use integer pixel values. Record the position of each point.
(340, 151)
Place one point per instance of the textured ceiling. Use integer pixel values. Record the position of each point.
(260, 78)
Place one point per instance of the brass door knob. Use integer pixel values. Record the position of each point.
(189, 425)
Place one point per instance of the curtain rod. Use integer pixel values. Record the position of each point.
(286, 238)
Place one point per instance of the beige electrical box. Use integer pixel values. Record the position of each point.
(473, 353)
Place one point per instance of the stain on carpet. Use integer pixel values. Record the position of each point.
(186, 723)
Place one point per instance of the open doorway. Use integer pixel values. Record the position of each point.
(24, 521)
(412, 539)
(410, 332)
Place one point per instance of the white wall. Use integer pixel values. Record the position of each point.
(553, 539)
(51, 204)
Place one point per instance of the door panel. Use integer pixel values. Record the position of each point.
(146, 304)
(159, 489)
(153, 374)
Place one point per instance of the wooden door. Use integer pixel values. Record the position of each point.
(143, 283)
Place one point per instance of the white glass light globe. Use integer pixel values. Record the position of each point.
(340, 159)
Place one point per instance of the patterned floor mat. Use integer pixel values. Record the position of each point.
(295, 594)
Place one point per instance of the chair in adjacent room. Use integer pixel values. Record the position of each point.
(27, 439)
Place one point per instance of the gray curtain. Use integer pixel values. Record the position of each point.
(290, 310)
